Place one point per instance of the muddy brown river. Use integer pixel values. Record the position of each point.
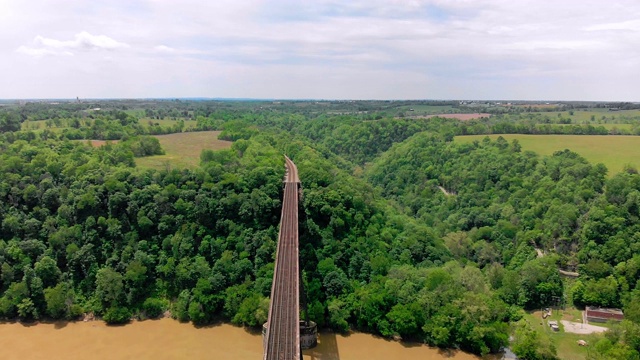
(169, 339)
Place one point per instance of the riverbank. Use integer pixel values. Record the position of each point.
(170, 339)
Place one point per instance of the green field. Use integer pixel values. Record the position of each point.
(586, 116)
(182, 150)
(39, 125)
(42, 124)
(566, 343)
(188, 124)
(426, 109)
(613, 151)
(606, 126)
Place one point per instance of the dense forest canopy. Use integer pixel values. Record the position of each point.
(404, 233)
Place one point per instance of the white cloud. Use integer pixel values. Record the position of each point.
(632, 25)
(82, 41)
(424, 48)
(38, 52)
(164, 48)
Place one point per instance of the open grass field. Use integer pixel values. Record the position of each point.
(616, 126)
(461, 117)
(613, 151)
(188, 124)
(182, 150)
(566, 343)
(593, 116)
(426, 109)
(535, 106)
(42, 124)
(98, 143)
(39, 125)
(606, 126)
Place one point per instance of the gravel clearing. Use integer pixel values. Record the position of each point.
(580, 328)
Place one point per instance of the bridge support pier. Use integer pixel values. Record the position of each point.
(308, 335)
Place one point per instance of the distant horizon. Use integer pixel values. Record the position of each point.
(202, 98)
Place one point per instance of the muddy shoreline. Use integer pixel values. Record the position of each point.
(169, 339)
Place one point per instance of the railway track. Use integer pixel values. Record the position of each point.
(283, 324)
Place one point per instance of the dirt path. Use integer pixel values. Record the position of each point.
(445, 192)
(568, 273)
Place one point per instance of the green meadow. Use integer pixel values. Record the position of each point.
(596, 116)
(566, 343)
(35, 125)
(426, 109)
(182, 150)
(188, 124)
(606, 126)
(614, 151)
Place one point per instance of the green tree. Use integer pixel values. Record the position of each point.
(153, 307)
(402, 321)
(338, 315)
(529, 344)
(60, 301)
(181, 306)
(109, 287)
(27, 310)
(47, 270)
(117, 315)
(253, 311)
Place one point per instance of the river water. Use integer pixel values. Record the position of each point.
(169, 339)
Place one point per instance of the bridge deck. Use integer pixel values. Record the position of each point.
(283, 325)
(292, 171)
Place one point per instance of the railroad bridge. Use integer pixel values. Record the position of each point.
(282, 332)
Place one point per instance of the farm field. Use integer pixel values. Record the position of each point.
(188, 124)
(461, 116)
(36, 125)
(39, 125)
(616, 126)
(182, 150)
(97, 143)
(613, 151)
(606, 126)
(585, 116)
(426, 109)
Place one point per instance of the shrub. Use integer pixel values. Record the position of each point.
(153, 307)
(117, 315)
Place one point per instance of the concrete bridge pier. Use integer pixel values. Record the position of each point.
(308, 335)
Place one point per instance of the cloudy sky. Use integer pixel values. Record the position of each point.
(350, 49)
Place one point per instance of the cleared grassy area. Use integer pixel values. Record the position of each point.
(182, 150)
(135, 112)
(593, 116)
(426, 109)
(40, 125)
(566, 343)
(613, 151)
(64, 124)
(188, 124)
(98, 143)
(606, 126)
(618, 126)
